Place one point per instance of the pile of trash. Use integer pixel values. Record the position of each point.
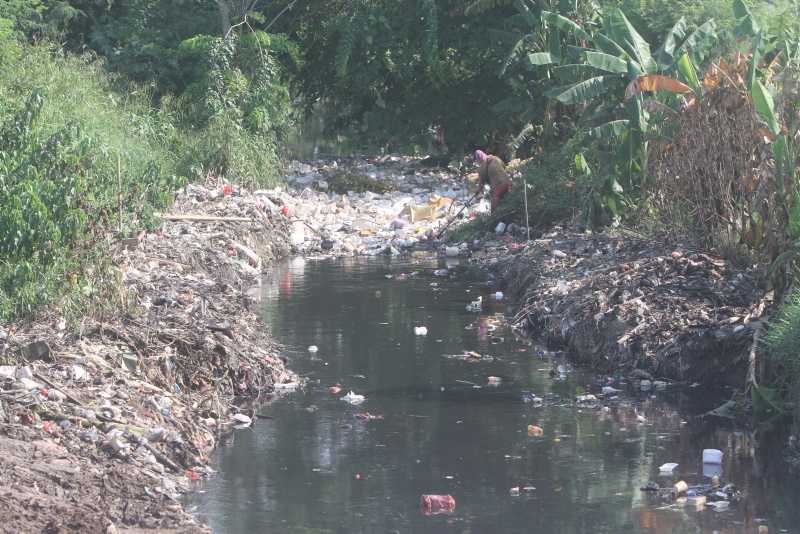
(407, 204)
(709, 493)
(618, 302)
(104, 425)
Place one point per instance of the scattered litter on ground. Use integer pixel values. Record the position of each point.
(138, 400)
(370, 207)
(618, 302)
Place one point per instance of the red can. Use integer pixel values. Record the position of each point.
(437, 504)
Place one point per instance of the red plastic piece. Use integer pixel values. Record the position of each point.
(437, 504)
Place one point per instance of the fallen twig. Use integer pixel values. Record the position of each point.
(53, 386)
(203, 218)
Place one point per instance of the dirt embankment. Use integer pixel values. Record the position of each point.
(618, 303)
(102, 428)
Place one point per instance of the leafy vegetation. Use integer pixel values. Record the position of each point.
(85, 151)
(659, 113)
(783, 340)
(70, 154)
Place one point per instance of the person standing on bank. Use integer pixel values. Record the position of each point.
(492, 172)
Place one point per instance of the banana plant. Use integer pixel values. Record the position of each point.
(608, 69)
(619, 69)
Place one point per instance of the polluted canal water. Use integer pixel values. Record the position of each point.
(466, 410)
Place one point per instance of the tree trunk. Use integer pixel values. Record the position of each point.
(224, 16)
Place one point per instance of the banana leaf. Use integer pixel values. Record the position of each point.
(654, 83)
(686, 69)
(573, 72)
(581, 165)
(753, 71)
(542, 58)
(610, 130)
(762, 100)
(606, 62)
(621, 31)
(519, 45)
(666, 52)
(608, 46)
(746, 24)
(566, 25)
(703, 37)
(585, 90)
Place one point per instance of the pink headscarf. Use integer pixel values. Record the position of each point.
(480, 155)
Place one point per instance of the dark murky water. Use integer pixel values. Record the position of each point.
(315, 467)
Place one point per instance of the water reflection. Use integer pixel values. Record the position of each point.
(317, 468)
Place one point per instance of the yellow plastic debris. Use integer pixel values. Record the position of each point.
(427, 211)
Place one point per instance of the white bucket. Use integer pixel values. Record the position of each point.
(712, 456)
(712, 470)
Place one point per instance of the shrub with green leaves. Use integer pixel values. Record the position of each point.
(71, 152)
(783, 350)
(237, 106)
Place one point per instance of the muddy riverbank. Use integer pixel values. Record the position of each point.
(104, 424)
(622, 304)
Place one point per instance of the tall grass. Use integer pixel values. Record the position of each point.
(783, 352)
(76, 144)
(73, 151)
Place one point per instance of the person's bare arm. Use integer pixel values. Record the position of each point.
(483, 175)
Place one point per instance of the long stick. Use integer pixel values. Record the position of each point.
(119, 193)
(203, 218)
(446, 226)
(525, 195)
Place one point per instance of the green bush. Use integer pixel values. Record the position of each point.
(783, 352)
(236, 108)
(72, 151)
(84, 152)
(224, 148)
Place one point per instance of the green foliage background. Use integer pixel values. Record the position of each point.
(170, 91)
(82, 134)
